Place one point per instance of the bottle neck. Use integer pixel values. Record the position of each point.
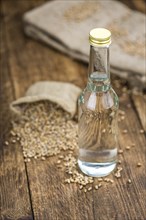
(99, 68)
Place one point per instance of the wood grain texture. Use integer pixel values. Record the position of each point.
(117, 201)
(25, 62)
(51, 198)
(14, 193)
(140, 105)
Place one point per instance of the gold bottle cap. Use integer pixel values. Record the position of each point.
(100, 37)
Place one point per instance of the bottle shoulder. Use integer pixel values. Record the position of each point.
(95, 100)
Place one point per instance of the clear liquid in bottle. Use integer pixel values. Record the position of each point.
(98, 133)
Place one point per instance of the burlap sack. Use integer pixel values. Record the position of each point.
(65, 25)
(63, 94)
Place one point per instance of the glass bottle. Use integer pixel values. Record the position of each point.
(98, 106)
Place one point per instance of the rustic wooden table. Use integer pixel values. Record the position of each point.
(36, 190)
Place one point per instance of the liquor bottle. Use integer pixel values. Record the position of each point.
(98, 108)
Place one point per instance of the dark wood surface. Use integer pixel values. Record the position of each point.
(36, 190)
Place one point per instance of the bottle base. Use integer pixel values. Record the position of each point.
(96, 169)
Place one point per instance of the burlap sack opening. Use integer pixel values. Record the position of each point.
(63, 94)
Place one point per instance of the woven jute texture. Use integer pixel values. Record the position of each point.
(63, 94)
(65, 25)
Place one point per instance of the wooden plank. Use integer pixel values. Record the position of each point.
(27, 69)
(14, 195)
(117, 201)
(110, 202)
(139, 101)
(51, 199)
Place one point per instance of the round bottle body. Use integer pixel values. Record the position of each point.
(98, 129)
